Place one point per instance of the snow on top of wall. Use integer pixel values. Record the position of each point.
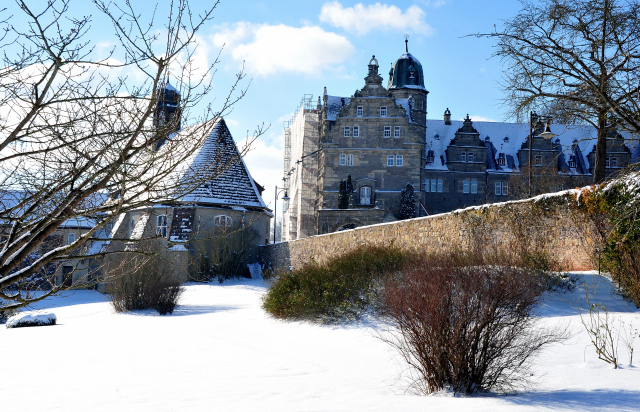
(405, 104)
(334, 104)
(508, 138)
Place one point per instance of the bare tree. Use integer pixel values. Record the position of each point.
(576, 59)
(79, 134)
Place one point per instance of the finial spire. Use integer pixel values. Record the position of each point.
(406, 42)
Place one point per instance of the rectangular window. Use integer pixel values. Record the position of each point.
(387, 131)
(608, 162)
(383, 111)
(161, 226)
(498, 190)
(505, 188)
(359, 111)
(71, 238)
(474, 186)
(343, 160)
(440, 184)
(538, 160)
(390, 160)
(465, 186)
(347, 131)
(396, 131)
(222, 221)
(399, 160)
(463, 157)
(356, 131)
(349, 160)
(365, 195)
(470, 157)
(434, 185)
(614, 162)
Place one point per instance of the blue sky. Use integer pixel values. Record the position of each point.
(291, 48)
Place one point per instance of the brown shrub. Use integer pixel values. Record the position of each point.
(465, 325)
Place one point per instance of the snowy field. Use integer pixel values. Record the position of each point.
(221, 352)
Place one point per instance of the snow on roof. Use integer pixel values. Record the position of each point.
(168, 86)
(234, 186)
(334, 104)
(508, 138)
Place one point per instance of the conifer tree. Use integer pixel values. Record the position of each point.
(407, 203)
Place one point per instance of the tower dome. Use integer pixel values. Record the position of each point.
(406, 72)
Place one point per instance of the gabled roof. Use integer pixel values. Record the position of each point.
(234, 186)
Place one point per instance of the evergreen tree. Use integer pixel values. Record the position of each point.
(349, 194)
(343, 198)
(407, 203)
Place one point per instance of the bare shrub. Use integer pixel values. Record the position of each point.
(464, 325)
(221, 253)
(147, 283)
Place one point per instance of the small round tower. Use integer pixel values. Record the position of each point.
(406, 79)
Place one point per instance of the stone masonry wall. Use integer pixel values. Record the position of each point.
(548, 223)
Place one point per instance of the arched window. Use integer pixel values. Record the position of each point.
(365, 195)
(222, 221)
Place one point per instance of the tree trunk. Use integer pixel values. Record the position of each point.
(601, 150)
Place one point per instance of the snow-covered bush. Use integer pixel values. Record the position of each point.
(31, 319)
(465, 324)
(6, 313)
(146, 283)
(342, 288)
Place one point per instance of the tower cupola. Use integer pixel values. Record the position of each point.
(406, 72)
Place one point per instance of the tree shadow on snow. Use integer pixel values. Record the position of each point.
(190, 310)
(596, 400)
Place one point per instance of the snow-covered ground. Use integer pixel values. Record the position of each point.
(220, 352)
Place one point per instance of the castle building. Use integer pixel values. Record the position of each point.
(381, 137)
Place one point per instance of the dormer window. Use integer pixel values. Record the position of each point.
(506, 139)
(383, 111)
(572, 161)
(501, 159)
(437, 136)
(359, 111)
(430, 156)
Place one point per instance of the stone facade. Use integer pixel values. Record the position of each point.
(556, 230)
(451, 164)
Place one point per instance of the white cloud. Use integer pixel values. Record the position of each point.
(286, 117)
(268, 49)
(265, 165)
(232, 122)
(361, 19)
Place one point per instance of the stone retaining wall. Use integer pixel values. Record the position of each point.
(549, 223)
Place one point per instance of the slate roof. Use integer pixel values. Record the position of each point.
(234, 186)
(508, 138)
